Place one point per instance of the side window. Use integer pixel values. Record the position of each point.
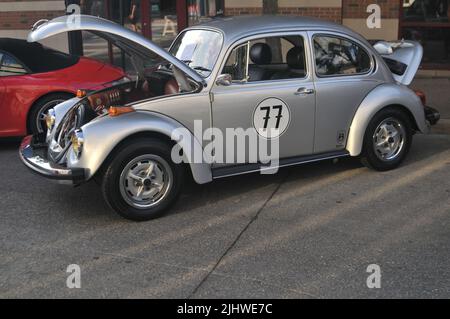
(236, 64)
(336, 56)
(9, 66)
(265, 59)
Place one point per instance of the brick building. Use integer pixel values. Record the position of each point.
(423, 20)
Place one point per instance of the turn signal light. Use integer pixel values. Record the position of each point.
(81, 94)
(422, 96)
(119, 110)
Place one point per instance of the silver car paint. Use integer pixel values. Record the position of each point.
(103, 134)
(335, 107)
(381, 97)
(234, 105)
(407, 52)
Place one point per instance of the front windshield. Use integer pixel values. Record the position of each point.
(199, 49)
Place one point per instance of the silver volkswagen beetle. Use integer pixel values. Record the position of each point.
(320, 88)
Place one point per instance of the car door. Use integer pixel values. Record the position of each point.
(2, 90)
(344, 75)
(265, 94)
(2, 84)
(11, 74)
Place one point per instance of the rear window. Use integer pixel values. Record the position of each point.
(10, 66)
(36, 57)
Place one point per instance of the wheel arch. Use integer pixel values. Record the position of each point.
(383, 97)
(106, 135)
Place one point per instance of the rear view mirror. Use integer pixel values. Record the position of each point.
(224, 80)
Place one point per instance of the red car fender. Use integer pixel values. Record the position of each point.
(19, 93)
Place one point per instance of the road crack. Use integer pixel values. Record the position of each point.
(238, 237)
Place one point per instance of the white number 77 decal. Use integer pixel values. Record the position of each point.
(271, 118)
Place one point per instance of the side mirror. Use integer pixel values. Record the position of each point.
(224, 80)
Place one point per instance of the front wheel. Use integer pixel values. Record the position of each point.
(141, 182)
(387, 140)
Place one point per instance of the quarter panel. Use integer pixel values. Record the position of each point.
(337, 102)
(381, 97)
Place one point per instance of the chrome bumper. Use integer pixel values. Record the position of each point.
(33, 154)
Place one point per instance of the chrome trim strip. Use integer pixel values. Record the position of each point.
(301, 160)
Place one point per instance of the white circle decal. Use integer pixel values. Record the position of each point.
(271, 118)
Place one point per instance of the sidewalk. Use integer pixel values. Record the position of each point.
(437, 91)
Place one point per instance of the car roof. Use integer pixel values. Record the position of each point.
(234, 28)
(36, 57)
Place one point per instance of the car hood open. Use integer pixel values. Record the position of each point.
(118, 35)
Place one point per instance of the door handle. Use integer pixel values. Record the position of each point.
(304, 91)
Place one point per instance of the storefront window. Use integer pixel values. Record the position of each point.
(200, 11)
(426, 10)
(427, 21)
(164, 21)
(158, 20)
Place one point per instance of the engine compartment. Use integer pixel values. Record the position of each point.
(153, 85)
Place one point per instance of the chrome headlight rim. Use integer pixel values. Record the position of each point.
(77, 140)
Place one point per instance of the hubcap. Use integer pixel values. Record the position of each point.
(389, 139)
(146, 181)
(40, 120)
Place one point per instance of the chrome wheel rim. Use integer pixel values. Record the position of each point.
(389, 139)
(146, 181)
(40, 119)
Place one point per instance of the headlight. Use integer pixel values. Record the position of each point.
(50, 119)
(77, 142)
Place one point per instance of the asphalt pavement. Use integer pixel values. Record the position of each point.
(309, 232)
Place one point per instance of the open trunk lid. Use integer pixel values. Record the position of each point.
(402, 57)
(118, 35)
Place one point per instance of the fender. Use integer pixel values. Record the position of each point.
(383, 96)
(103, 134)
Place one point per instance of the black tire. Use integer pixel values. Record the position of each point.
(370, 157)
(41, 106)
(112, 184)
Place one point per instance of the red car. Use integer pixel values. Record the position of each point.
(34, 78)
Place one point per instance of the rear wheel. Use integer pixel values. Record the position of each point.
(142, 182)
(387, 140)
(36, 119)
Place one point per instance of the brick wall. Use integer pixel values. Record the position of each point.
(242, 11)
(322, 9)
(24, 20)
(18, 16)
(21, 15)
(331, 14)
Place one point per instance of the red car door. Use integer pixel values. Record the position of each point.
(2, 93)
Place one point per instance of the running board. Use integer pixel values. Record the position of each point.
(254, 168)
